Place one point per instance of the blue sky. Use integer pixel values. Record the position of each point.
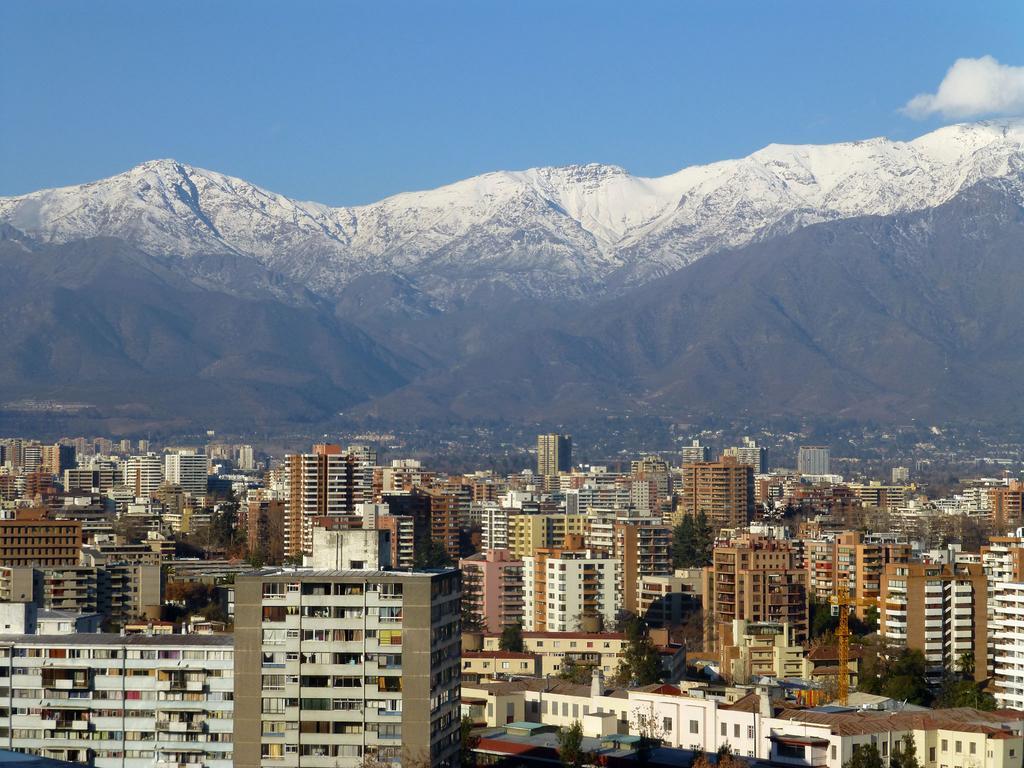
(348, 102)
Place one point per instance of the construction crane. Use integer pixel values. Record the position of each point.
(842, 602)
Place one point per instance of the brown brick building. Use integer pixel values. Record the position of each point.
(31, 539)
(723, 490)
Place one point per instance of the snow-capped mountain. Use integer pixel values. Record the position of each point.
(564, 231)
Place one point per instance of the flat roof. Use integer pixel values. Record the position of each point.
(111, 638)
(346, 574)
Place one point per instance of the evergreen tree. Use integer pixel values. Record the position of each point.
(641, 662)
(431, 554)
(693, 540)
(512, 638)
(570, 745)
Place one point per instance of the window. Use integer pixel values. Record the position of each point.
(750, 731)
(945, 745)
(833, 751)
(971, 747)
(666, 725)
(736, 730)
(724, 729)
(694, 726)
(959, 747)
(931, 754)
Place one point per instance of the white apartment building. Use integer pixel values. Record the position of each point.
(143, 474)
(189, 470)
(562, 588)
(1007, 644)
(494, 525)
(119, 702)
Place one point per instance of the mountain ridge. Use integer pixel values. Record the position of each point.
(569, 231)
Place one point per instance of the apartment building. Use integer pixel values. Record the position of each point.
(1007, 503)
(335, 668)
(143, 474)
(120, 591)
(565, 587)
(939, 609)
(323, 483)
(722, 490)
(855, 560)
(1006, 645)
(32, 539)
(493, 518)
(554, 454)
(530, 532)
(113, 701)
(187, 469)
(492, 589)
(755, 579)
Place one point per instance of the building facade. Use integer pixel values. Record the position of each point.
(339, 667)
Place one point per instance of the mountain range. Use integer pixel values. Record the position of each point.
(867, 279)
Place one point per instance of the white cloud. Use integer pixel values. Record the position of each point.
(973, 87)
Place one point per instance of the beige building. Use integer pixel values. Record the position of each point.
(941, 610)
(529, 532)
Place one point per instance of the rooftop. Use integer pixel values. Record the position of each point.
(110, 638)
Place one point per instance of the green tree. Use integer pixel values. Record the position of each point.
(822, 620)
(864, 756)
(512, 638)
(468, 741)
(430, 553)
(905, 754)
(570, 745)
(902, 677)
(692, 542)
(641, 662)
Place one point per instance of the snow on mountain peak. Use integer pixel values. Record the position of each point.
(552, 229)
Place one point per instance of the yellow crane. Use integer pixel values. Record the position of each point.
(842, 601)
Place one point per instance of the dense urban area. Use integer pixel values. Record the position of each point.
(212, 605)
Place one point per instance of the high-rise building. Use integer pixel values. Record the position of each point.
(813, 460)
(1007, 644)
(554, 454)
(754, 579)
(1007, 504)
(143, 474)
(246, 458)
(854, 559)
(187, 469)
(492, 589)
(324, 483)
(939, 609)
(337, 668)
(723, 490)
(113, 701)
(695, 452)
(751, 454)
(58, 458)
(565, 587)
